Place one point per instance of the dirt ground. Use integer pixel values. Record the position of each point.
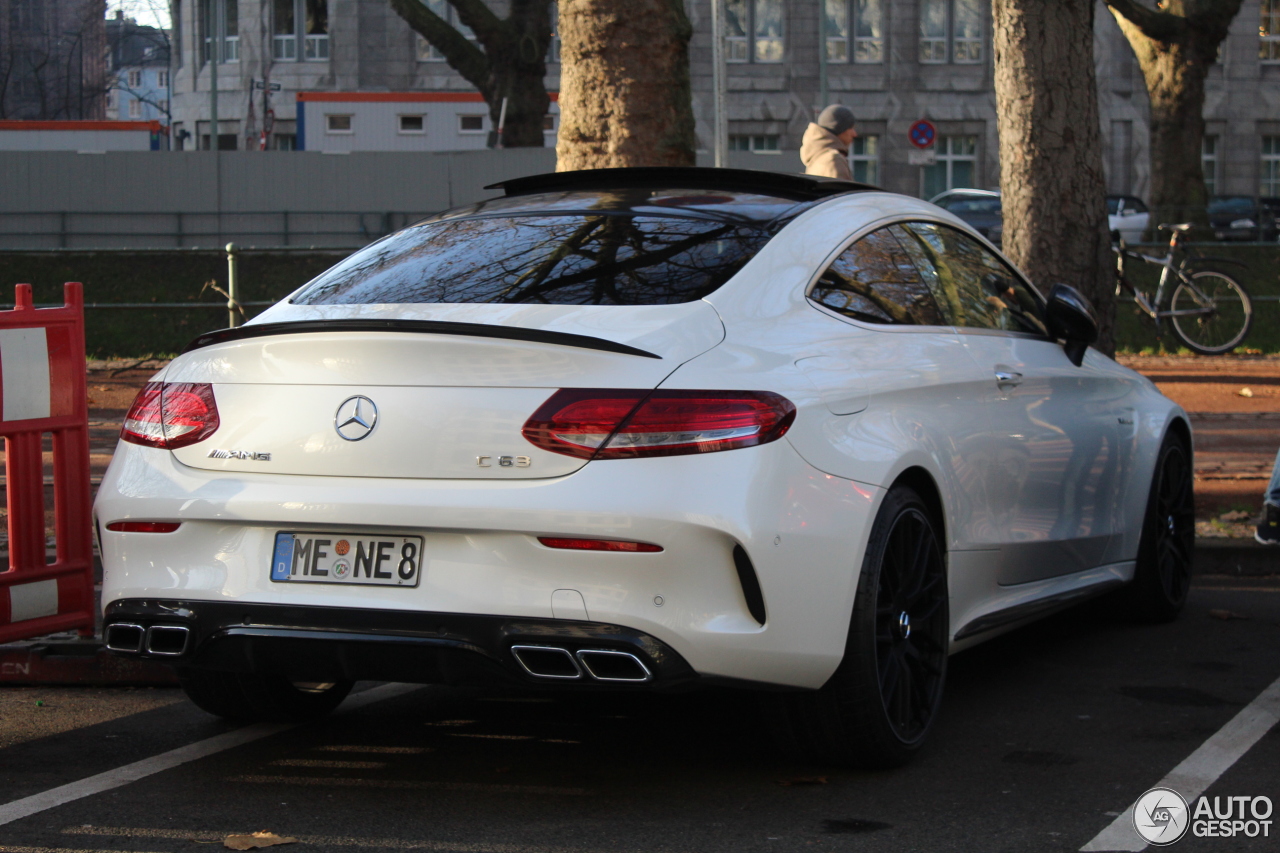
(1234, 402)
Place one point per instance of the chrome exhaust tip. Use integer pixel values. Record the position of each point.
(547, 662)
(167, 640)
(609, 665)
(124, 637)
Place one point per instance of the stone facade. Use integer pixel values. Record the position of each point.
(778, 89)
(53, 59)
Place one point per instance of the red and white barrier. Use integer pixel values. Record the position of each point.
(42, 390)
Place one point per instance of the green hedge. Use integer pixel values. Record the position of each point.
(157, 276)
(1135, 331)
(178, 275)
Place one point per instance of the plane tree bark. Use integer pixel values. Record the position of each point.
(1051, 180)
(510, 61)
(625, 97)
(1176, 45)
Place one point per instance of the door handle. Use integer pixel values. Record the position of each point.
(1008, 378)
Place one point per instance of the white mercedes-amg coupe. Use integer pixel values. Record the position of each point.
(641, 429)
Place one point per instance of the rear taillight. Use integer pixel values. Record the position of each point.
(144, 526)
(568, 544)
(612, 424)
(171, 415)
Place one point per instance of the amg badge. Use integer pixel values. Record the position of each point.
(253, 455)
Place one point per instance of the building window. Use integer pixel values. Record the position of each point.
(867, 30)
(470, 124)
(284, 142)
(756, 143)
(134, 79)
(753, 30)
(337, 123)
(864, 158)
(950, 31)
(427, 52)
(1270, 184)
(304, 22)
(415, 124)
(135, 109)
(111, 99)
(956, 166)
(162, 78)
(1269, 31)
(549, 123)
(1209, 163)
(219, 24)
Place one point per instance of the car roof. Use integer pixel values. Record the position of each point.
(778, 184)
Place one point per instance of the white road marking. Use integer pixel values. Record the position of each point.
(373, 750)
(322, 840)
(413, 784)
(1201, 768)
(330, 765)
(121, 776)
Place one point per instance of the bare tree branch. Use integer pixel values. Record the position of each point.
(465, 58)
(1156, 25)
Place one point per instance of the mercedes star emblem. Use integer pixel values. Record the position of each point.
(356, 418)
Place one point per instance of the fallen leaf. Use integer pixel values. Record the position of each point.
(1245, 392)
(258, 839)
(1226, 615)
(803, 780)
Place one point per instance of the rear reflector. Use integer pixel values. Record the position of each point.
(171, 415)
(598, 545)
(616, 424)
(144, 526)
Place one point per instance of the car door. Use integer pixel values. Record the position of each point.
(892, 373)
(1057, 430)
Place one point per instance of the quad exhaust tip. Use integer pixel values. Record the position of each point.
(160, 640)
(598, 664)
(123, 637)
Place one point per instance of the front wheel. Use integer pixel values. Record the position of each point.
(1211, 314)
(1162, 576)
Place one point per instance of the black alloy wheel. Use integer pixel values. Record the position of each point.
(911, 625)
(1162, 576)
(876, 711)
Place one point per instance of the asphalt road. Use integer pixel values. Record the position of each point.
(1047, 734)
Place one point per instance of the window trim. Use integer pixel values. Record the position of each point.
(464, 132)
(894, 328)
(949, 39)
(328, 124)
(851, 40)
(298, 45)
(751, 38)
(1269, 36)
(400, 129)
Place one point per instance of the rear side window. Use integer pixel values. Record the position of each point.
(876, 281)
(975, 287)
(586, 258)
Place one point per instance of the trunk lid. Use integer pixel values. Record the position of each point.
(438, 401)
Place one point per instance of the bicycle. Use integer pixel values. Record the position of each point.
(1210, 312)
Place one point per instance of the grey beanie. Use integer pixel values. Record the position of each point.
(836, 118)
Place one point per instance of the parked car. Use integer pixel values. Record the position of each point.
(1241, 217)
(643, 429)
(1127, 217)
(979, 208)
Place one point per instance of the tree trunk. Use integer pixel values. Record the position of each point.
(510, 62)
(625, 96)
(1051, 150)
(1175, 47)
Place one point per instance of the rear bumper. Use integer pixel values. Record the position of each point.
(335, 644)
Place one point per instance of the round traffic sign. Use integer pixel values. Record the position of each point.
(922, 133)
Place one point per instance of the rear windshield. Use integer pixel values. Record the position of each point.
(557, 257)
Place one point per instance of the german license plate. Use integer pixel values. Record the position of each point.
(347, 558)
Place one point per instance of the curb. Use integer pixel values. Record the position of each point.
(84, 663)
(1235, 557)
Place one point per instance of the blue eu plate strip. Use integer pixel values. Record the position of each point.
(282, 562)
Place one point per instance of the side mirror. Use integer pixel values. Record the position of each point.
(1071, 319)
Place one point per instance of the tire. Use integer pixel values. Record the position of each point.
(1225, 327)
(255, 697)
(1162, 576)
(876, 711)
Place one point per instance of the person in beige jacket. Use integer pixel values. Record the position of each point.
(824, 150)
